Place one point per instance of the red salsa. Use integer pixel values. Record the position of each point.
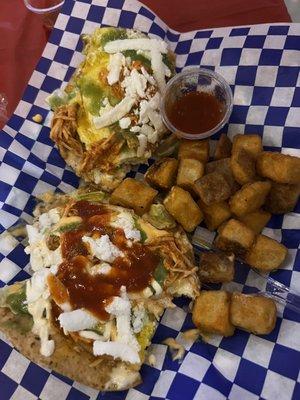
(93, 292)
(196, 112)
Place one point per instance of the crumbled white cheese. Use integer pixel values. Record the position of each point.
(135, 129)
(77, 320)
(156, 120)
(116, 61)
(154, 102)
(117, 350)
(103, 248)
(102, 269)
(115, 113)
(135, 84)
(125, 221)
(125, 122)
(120, 307)
(149, 77)
(46, 220)
(138, 317)
(37, 296)
(42, 257)
(33, 233)
(142, 145)
(144, 118)
(151, 134)
(156, 48)
(36, 286)
(145, 44)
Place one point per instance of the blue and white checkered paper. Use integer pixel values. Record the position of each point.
(262, 65)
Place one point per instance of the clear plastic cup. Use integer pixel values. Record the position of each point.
(201, 80)
(49, 10)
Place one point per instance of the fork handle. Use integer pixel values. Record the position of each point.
(274, 289)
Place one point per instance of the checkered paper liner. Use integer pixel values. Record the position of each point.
(261, 63)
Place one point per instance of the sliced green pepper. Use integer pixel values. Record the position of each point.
(17, 301)
(144, 236)
(160, 273)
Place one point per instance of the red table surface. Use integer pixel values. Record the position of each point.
(22, 36)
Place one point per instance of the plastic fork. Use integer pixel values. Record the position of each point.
(275, 290)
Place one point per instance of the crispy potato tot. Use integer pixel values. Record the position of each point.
(180, 204)
(256, 220)
(223, 166)
(212, 188)
(133, 194)
(243, 166)
(282, 198)
(189, 171)
(215, 214)
(235, 237)
(211, 312)
(196, 149)
(253, 313)
(223, 148)
(279, 167)
(162, 173)
(266, 254)
(216, 267)
(252, 144)
(249, 198)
